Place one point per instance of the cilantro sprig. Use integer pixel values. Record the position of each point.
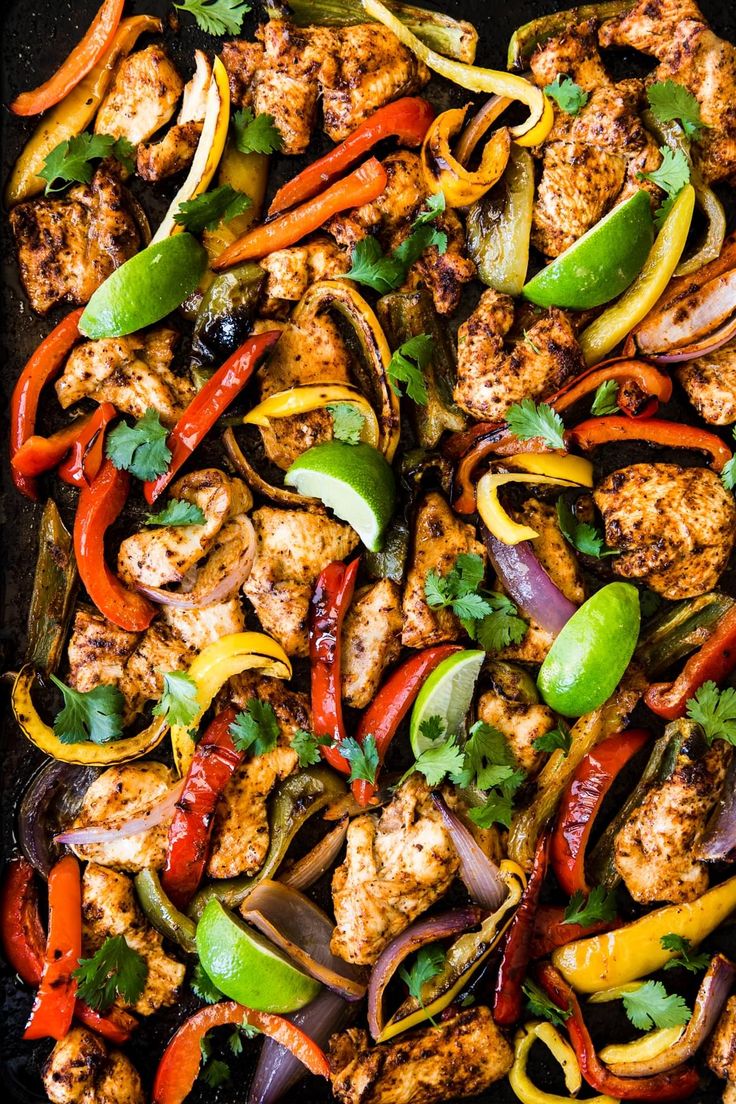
(599, 905)
(581, 534)
(95, 715)
(605, 400)
(216, 17)
(206, 211)
(177, 511)
(715, 711)
(568, 95)
(652, 1006)
(671, 176)
(385, 272)
(347, 422)
(140, 449)
(307, 746)
(203, 987)
(363, 758)
(681, 946)
(72, 160)
(426, 966)
(256, 728)
(441, 759)
(671, 101)
(528, 420)
(115, 970)
(407, 366)
(179, 702)
(558, 738)
(487, 616)
(256, 134)
(539, 1004)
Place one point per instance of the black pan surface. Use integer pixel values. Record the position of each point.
(36, 36)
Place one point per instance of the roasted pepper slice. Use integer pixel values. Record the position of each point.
(612, 427)
(333, 593)
(714, 661)
(40, 454)
(499, 226)
(53, 1007)
(54, 587)
(526, 39)
(163, 914)
(492, 513)
(316, 396)
(508, 998)
(519, 1079)
(443, 172)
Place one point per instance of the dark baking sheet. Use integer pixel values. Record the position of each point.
(36, 36)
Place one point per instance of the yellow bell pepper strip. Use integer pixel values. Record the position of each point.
(548, 1034)
(612, 326)
(74, 113)
(538, 133)
(300, 400)
(442, 171)
(209, 150)
(493, 515)
(471, 77)
(519, 1079)
(85, 753)
(211, 669)
(642, 1049)
(635, 950)
(616, 992)
(568, 469)
(245, 172)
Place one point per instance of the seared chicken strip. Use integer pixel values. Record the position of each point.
(142, 98)
(98, 650)
(675, 526)
(710, 384)
(493, 374)
(521, 723)
(242, 60)
(461, 1056)
(439, 538)
(131, 372)
(175, 150)
(371, 640)
(293, 547)
(721, 1053)
(67, 247)
(81, 1070)
(120, 794)
(159, 651)
(291, 271)
(199, 627)
(396, 866)
(109, 908)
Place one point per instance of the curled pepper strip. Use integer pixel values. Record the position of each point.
(519, 1080)
(444, 173)
(330, 602)
(53, 1009)
(601, 431)
(508, 1000)
(650, 386)
(714, 660)
(40, 454)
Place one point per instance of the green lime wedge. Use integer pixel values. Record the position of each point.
(247, 967)
(355, 481)
(146, 288)
(601, 264)
(447, 693)
(589, 656)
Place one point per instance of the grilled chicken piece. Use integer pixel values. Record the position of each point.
(242, 60)
(240, 835)
(175, 150)
(444, 274)
(293, 547)
(120, 794)
(721, 1053)
(67, 247)
(142, 97)
(521, 723)
(461, 1056)
(710, 384)
(160, 650)
(109, 908)
(98, 650)
(676, 33)
(131, 372)
(291, 271)
(371, 640)
(199, 627)
(81, 1070)
(675, 526)
(655, 849)
(439, 538)
(492, 375)
(395, 868)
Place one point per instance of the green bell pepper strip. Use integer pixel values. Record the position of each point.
(526, 39)
(499, 226)
(679, 630)
(162, 914)
(54, 588)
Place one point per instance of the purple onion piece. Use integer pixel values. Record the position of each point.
(719, 838)
(50, 803)
(705, 346)
(156, 812)
(479, 873)
(528, 584)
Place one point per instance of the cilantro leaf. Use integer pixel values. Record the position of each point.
(215, 1073)
(140, 449)
(217, 17)
(256, 135)
(568, 95)
(490, 617)
(433, 207)
(256, 728)
(488, 760)
(605, 399)
(115, 970)
(179, 702)
(71, 161)
(580, 534)
(177, 511)
(502, 626)
(407, 365)
(95, 715)
(652, 1006)
(681, 947)
(347, 422)
(385, 272)
(427, 965)
(728, 475)
(436, 762)
(715, 711)
(498, 807)
(433, 728)
(307, 746)
(206, 211)
(203, 987)
(558, 738)
(670, 100)
(363, 758)
(539, 1004)
(528, 420)
(671, 176)
(600, 905)
(420, 239)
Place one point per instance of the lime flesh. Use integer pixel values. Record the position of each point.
(447, 693)
(247, 967)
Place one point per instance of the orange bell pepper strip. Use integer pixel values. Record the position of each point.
(713, 661)
(40, 454)
(363, 185)
(601, 431)
(83, 57)
(651, 387)
(53, 1009)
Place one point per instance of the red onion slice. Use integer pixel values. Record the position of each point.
(316, 862)
(719, 838)
(418, 935)
(51, 801)
(528, 584)
(705, 347)
(217, 579)
(691, 318)
(479, 873)
(148, 817)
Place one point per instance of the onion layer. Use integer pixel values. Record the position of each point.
(148, 817)
(719, 838)
(528, 584)
(51, 801)
(316, 862)
(479, 873)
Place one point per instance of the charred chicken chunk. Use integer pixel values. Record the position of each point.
(98, 650)
(675, 527)
(396, 866)
(462, 1056)
(142, 98)
(199, 627)
(81, 1070)
(67, 247)
(290, 272)
(521, 723)
(710, 384)
(721, 1054)
(492, 373)
(371, 640)
(175, 150)
(159, 651)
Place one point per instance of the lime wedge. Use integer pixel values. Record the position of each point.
(447, 693)
(355, 481)
(247, 967)
(146, 288)
(601, 264)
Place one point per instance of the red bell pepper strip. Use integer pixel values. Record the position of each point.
(40, 454)
(84, 461)
(601, 431)
(209, 404)
(676, 1084)
(407, 119)
(363, 185)
(508, 999)
(330, 602)
(581, 800)
(551, 931)
(53, 1008)
(116, 1025)
(179, 1066)
(212, 767)
(44, 365)
(651, 386)
(98, 507)
(714, 660)
(391, 704)
(83, 57)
